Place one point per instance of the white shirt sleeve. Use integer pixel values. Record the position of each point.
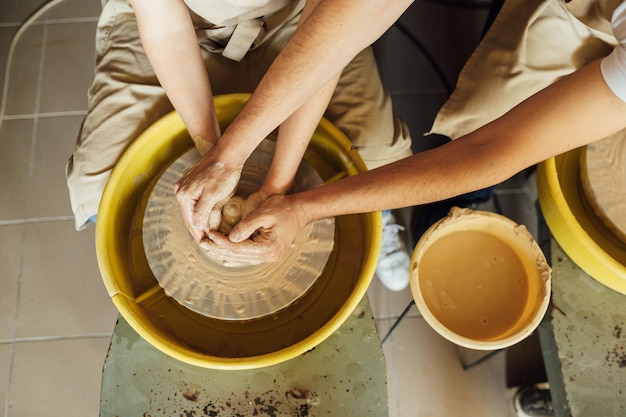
(613, 66)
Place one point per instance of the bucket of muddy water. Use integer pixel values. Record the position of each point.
(480, 280)
(213, 316)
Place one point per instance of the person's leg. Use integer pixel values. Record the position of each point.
(124, 99)
(362, 109)
(429, 214)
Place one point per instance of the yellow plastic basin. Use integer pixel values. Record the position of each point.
(573, 223)
(213, 343)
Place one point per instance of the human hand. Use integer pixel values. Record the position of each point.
(253, 202)
(203, 145)
(263, 235)
(203, 190)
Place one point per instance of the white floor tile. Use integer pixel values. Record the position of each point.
(57, 378)
(16, 137)
(62, 292)
(55, 142)
(5, 369)
(10, 258)
(426, 377)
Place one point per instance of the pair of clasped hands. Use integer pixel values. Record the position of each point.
(268, 226)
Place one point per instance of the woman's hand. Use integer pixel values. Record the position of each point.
(204, 189)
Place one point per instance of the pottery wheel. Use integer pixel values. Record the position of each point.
(603, 172)
(206, 286)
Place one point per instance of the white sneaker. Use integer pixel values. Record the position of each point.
(394, 262)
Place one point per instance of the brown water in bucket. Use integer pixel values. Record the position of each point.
(480, 279)
(474, 284)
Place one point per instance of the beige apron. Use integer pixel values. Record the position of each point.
(232, 28)
(121, 107)
(531, 44)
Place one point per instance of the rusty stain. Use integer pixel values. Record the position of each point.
(297, 393)
(295, 402)
(191, 395)
(617, 355)
(617, 331)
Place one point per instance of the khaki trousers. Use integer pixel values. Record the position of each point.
(531, 44)
(125, 98)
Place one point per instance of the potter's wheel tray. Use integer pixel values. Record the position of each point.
(603, 174)
(199, 339)
(208, 287)
(574, 223)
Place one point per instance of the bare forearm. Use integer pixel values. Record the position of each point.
(323, 44)
(296, 131)
(293, 138)
(573, 112)
(168, 36)
(422, 178)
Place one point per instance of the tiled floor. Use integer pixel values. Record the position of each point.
(56, 318)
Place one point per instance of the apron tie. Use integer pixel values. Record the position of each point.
(243, 37)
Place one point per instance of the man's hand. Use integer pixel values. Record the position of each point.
(263, 235)
(253, 202)
(203, 190)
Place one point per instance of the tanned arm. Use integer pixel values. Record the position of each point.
(169, 39)
(334, 32)
(577, 110)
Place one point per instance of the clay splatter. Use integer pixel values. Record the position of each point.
(191, 395)
(616, 356)
(617, 331)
